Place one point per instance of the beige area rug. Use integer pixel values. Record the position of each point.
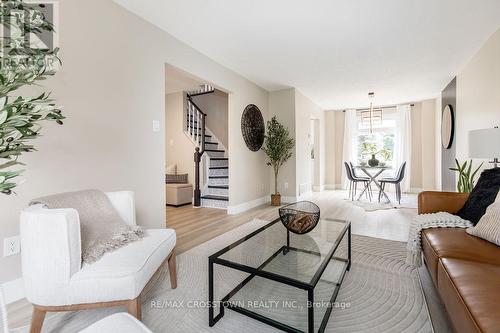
(380, 293)
(407, 201)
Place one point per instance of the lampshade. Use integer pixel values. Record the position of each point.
(484, 143)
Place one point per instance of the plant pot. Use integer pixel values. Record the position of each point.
(373, 162)
(276, 199)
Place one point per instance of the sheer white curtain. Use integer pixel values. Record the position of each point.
(350, 149)
(402, 143)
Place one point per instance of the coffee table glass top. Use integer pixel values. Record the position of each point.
(308, 256)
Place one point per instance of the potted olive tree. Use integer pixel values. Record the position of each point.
(22, 64)
(278, 146)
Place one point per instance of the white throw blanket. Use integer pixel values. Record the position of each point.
(425, 221)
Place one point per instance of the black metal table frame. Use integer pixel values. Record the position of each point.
(373, 179)
(309, 287)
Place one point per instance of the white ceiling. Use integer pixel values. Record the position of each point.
(334, 51)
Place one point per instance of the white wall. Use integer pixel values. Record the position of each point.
(112, 86)
(423, 164)
(282, 105)
(437, 142)
(478, 94)
(305, 110)
(215, 105)
(429, 170)
(330, 149)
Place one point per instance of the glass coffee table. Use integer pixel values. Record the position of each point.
(286, 280)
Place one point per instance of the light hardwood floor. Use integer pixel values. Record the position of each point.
(195, 226)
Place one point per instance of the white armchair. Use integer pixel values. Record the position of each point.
(56, 280)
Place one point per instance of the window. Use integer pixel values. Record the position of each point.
(381, 141)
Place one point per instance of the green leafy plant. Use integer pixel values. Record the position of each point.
(278, 146)
(466, 177)
(386, 154)
(23, 65)
(371, 148)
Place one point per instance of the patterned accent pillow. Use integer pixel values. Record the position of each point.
(488, 227)
(176, 179)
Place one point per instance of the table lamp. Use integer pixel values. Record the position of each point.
(485, 143)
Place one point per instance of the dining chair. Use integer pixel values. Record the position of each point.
(396, 181)
(354, 180)
(369, 189)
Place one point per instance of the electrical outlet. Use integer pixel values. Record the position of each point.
(286, 185)
(11, 246)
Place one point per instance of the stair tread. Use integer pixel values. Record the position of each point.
(217, 168)
(224, 187)
(215, 150)
(219, 158)
(218, 177)
(215, 197)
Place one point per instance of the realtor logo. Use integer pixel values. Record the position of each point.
(28, 26)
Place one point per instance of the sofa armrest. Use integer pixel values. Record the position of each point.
(433, 202)
(124, 203)
(51, 249)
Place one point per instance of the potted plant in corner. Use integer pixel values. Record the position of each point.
(278, 146)
(466, 177)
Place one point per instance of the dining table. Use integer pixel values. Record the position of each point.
(373, 172)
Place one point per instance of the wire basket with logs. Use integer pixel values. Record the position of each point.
(300, 217)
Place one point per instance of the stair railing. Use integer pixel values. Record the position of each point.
(198, 136)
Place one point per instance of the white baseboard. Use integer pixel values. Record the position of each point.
(304, 196)
(243, 207)
(415, 190)
(319, 188)
(13, 290)
(332, 187)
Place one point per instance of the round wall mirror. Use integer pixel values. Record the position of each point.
(252, 127)
(447, 127)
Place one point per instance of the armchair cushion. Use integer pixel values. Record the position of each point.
(118, 275)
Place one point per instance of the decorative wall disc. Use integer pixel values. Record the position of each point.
(252, 127)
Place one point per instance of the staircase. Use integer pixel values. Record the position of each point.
(209, 151)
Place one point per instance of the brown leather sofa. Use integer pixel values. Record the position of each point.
(465, 269)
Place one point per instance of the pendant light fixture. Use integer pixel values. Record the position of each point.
(371, 96)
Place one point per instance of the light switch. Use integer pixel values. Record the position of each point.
(156, 126)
